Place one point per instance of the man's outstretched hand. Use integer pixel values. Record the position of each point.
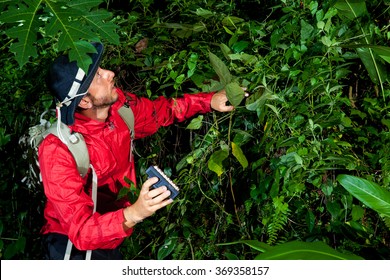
(219, 100)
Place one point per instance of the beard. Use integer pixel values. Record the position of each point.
(100, 103)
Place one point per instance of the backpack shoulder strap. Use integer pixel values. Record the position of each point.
(75, 143)
(128, 116)
(77, 146)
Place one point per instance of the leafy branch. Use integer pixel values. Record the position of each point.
(69, 24)
(353, 10)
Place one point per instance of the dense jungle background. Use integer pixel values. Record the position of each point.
(299, 170)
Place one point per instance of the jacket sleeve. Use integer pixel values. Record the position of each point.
(70, 206)
(151, 115)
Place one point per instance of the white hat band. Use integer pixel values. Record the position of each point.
(74, 88)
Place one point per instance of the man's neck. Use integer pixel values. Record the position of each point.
(97, 114)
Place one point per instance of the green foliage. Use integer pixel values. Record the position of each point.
(354, 11)
(367, 192)
(296, 250)
(261, 178)
(221, 70)
(278, 220)
(70, 24)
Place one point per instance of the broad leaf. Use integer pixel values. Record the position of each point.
(195, 123)
(255, 244)
(84, 4)
(15, 247)
(27, 18)
(295, 250)
(80, 54)
(106, 29)
(386, 220)
(237, 152)
(371, 194)
(220, 68)
(298, 250)
(306, 30)
(167, 248)
(231, 21)
(375, 68)
(215, 162)
(240, 46)
(71, 23)
(351, 9)
(225, 50)
(382, 51)
(257, 101)
(230, 256)
(234, 93)
(71, 32)
(204, 13)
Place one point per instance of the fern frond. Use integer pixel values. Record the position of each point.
(180, 252)
(386, 219)
(279, 219)
(385, 164)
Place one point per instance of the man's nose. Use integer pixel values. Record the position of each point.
(107, 74)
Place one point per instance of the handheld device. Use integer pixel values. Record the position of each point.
(163, 180)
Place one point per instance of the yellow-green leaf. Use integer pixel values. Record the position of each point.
(195, 123)
(237, 152)
(216, 160)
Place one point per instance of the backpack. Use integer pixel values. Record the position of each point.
(74, 141)
(77, 146)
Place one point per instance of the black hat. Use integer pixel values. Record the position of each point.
(69, 83)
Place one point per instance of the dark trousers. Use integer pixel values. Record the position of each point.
(54, 247)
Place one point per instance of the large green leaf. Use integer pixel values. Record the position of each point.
(215, 162)
(306, 30)
(351, 9)
(376, 70)
(238, 153)
(221, 69)
(167, 248)
(382, 51)
(26, 15)
(354, 9)
(71, 23)
(371, 194)
(258, 100)
(195, 123)
(70, 31)
(298, 250)
(234, 93)
(80, 52)
(106, 29)
(15, 247)
(255, 244)
(295, 250)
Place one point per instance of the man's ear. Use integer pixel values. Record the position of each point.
(85, 103)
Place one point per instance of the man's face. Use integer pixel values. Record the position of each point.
(102, 91)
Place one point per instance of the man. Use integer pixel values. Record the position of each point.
(88, 104)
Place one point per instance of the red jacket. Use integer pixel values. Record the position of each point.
(69, 204)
